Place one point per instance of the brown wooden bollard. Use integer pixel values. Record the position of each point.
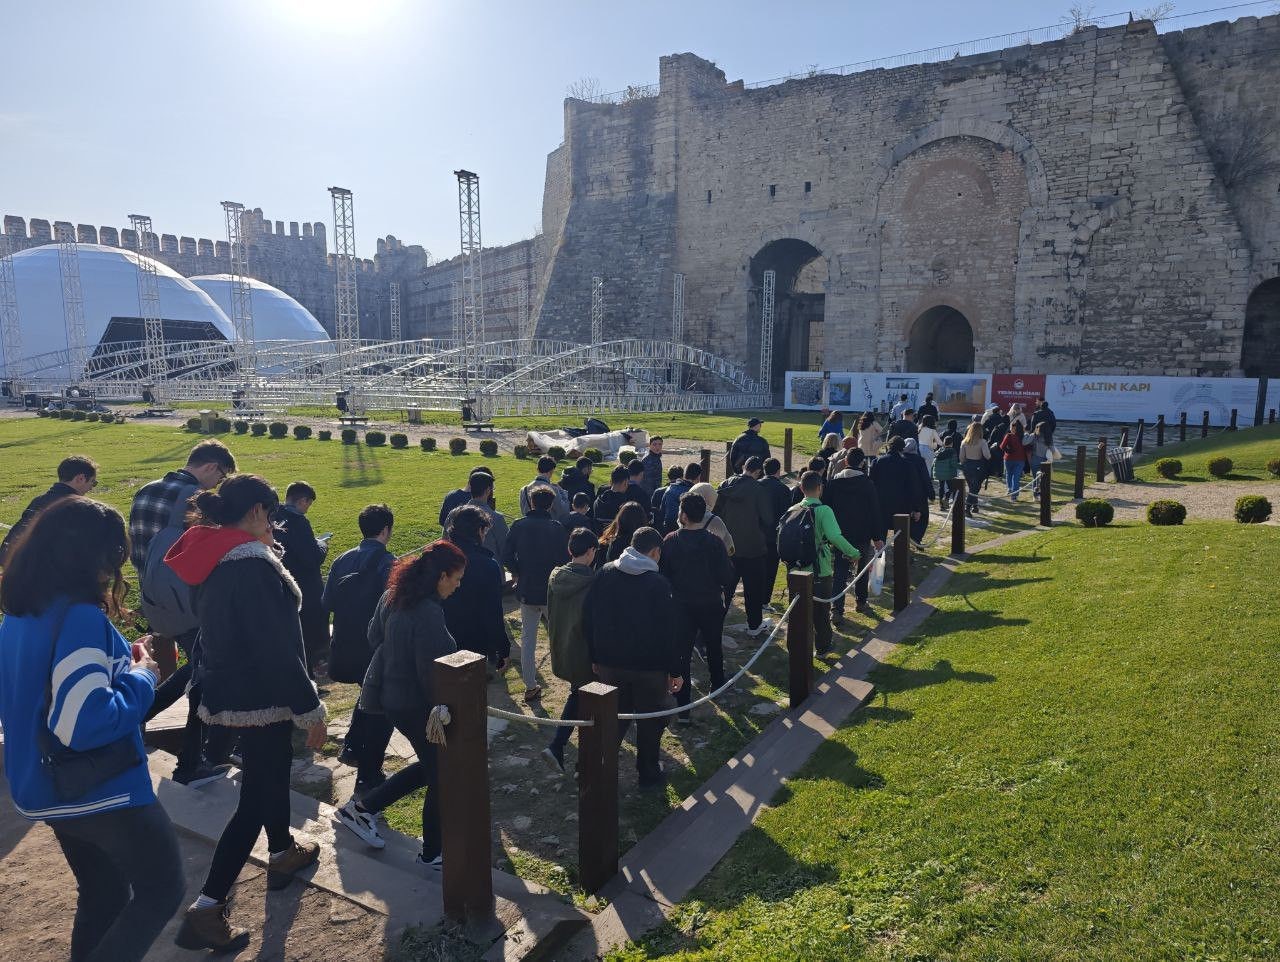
(1271, 416)
(901, 561)
(1137, 442)
(465, 827)
(706, 465)
(787, 445)
(800, 635)
(959, 494)
(1102, 460)
(1204, 425)
(1081, 455)
(1182, 426)
(1235, 415)
(1046, 494)
(1160, 431)
(597, 786)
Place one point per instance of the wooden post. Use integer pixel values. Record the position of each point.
(1081, 454)
(728, 461)
(901, 561)
(706, 465)
(597, 786)
(1102, 460)
(465, 827)
(1046, 494)
(1160, 431)
(1235, 414)
(800, 635)
(1204, 425)
(1182, 426)
(787, 441)
(960, 495)
(1137, 442)
(1271, 416)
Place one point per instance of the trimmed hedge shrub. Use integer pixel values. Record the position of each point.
(240, 427)
(278, 429)
(489, 448)
(193, 424)
(1273, 467)
(324, 435)
(427, 444)
(1168, 467)
(595, 454)
(555, 451)
(626, 457)
(1220, 467)
(1252, 509)
(457, 445)
(1095, 512)
(302, 432)
(221, 425)
(375, 439)
(79, 415)
(257, 429)
(348, 435)
(92, 416)
(399, 441)
(520, 451)
(1166, 511)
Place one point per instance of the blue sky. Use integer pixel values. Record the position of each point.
(112, 107)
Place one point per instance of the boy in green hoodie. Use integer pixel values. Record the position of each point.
(570, 659)
(826, 532)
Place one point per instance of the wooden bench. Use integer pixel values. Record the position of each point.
(351, 420)
(477, 426)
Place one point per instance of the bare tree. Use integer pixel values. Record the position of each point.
(1161, 11)
(1079, 16)
(585, 88)
(1242, 143)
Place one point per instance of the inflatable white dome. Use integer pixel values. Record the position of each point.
(109, 285)
(276, 315)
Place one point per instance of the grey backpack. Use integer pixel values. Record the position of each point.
(167, 600)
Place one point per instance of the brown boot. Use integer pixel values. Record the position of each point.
(211, 928)
(280, 871)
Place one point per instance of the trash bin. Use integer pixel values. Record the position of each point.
(1121, 463)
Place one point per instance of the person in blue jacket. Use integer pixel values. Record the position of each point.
(832, 423)
(62, 584)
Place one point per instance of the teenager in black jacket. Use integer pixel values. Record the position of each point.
(536, 544)
(303, 556)
(76, 475)
(474, 611)
(852, 496)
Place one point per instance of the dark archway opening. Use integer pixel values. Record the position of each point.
(941, 342)
(799, 306)
(1260, 355)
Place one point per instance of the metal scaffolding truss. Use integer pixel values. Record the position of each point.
(149, 302)
(346, 294)
(10, 332)
(523, 314)
(72, 300)
(395, 311)
(473, 326)
(767, 296)
(241, 292)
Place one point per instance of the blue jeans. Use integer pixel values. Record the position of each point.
(1013, 476)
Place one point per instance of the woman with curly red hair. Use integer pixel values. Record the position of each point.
(407, 634)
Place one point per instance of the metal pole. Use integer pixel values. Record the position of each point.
(787, 441)
(1160, 431)
(1182, 426)
(1204, 425)
(901, 561)
(597, 786)
(1102, 460)
(1078, 491)
(1046, 494)
(1137, 442)
(767, 295)
(1233, 426)
(959, 496)
(800, 635)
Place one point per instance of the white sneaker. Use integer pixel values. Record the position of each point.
(364, 824)
(765, 625)
(436, 863)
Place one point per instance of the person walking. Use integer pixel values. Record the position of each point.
(617, 535)
(903, 405)
(929, 439)
(408, 632)
(999, 425)
(303, 556)
(460, 496)
(639, 657)
(974, 455)
(675, 491)
(254, 678)
(560, 505)
(1037, 454)
(674, 474)
(580, 515)
(1044, 416)
(482, 497)
(897, 485)
(946, 468)
(1015, 462)
(924, 489)
(612, 498)
(832, 423)
(927, 409)
(745, 508)
(77, 475)
(570, 659)
(952, 431)
(70, 683)
(474, 611)
(779, 502)
(357, 579)
(748, 444)
(904, 427)
(578, 479)
(827, 450)
(713, 522)
(536, 545)
(696, 564)
(652, 464)
(869, 435)
(852, 497)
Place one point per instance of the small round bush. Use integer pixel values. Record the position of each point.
(1166, 512)
(427, 444)
(301, 432)
(457, 445)
(626, 457)
(1168, 467)
(520, 451)
(193, 424)
(323, 435)
(375, 439)
(240, 427)
(555, 451)
(1273, 467)
(399, 441)
(1095, 512)
(41, 413)
(221, 425)
(78, 415)
(257, 429)
(1220, 467)
(1252, 509)
(595, 454)
(92, 416)
(489, 448)
(279, 429)
(348, 435)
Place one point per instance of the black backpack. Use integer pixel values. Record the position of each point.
(797, 537)
(354, 599)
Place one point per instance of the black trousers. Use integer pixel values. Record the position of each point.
(707, 621)
(423, 773)
(640, 692)
(561, 737)
(129, 874)
(267, 752)
(844, 570)
(771, 561)
(822, 614)
(751, 572)
(198, 740)
(368, 738)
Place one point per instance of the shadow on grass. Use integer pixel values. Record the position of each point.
(896, 678)
(360, 468)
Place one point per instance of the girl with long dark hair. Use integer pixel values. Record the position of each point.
(617, 536)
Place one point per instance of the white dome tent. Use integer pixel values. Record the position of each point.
(276, 315)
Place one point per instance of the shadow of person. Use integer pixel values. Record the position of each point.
(281, 911)
(896, 678)
(360, 468)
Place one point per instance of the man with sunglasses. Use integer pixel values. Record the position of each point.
(76, 475)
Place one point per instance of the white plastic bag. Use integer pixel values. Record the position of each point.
(875, 577)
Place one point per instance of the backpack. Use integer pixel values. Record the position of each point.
(353, 599)
(167, 601)
(797, 537)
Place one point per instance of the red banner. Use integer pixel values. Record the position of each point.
(1024, 389)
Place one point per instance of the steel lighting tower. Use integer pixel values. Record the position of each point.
(525, 318)
(597, 322)
(241, 292)
(72, 300)
(473, 332)
(677, 325)
(148, 302)
(347, 319)
(766, 329)
(10, 332)
(395, 312)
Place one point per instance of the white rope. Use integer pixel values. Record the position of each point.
(865, 568)
(537, 720)
(437, 721)
(681, 709)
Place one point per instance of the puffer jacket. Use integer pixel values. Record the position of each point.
(744, 505)
(566, 594)
(405, 643)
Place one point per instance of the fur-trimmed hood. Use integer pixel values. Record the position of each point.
(202, 548)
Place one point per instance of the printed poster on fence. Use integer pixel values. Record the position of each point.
(1024, 389)
(954, 394)
(1126, 398)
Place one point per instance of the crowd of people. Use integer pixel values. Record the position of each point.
(630, 578)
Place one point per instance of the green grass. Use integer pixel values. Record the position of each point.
(1074, 760)
(1250, 449)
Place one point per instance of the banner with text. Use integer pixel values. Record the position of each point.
(1126, 398)
(954, 394)
(1024, 389)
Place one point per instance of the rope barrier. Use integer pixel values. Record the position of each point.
(865, 568)
(536, 720)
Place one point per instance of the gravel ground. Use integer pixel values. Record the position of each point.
(1204, 500)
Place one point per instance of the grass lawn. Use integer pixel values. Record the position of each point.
(1071, 762)
(1249, 448)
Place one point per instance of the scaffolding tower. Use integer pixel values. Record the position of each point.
(10, 332)
(767, 296)
(473, 326)
(241, 292)
(346, 295)
(455, 311)
(524, 317)
(677, 326)
(149, 304)
(396, 334)
(72, 300)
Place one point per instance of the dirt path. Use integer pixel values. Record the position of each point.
(1204, 500)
